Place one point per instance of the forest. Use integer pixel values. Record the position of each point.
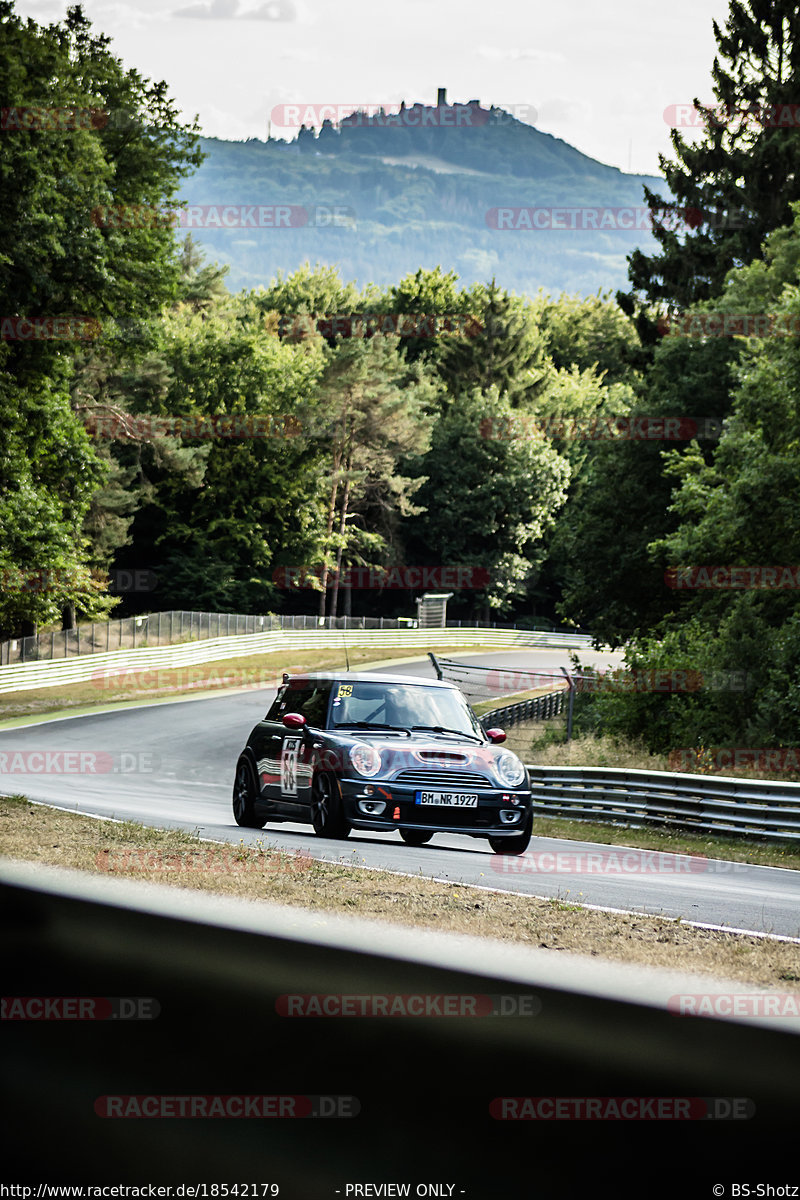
(262, 448)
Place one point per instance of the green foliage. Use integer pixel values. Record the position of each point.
(736, 509)
(58, 259)
(488, 501)
(590, 332)
(740, 175)
(610, 581)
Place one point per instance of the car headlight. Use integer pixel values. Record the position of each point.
(365, 759)
(509, 769)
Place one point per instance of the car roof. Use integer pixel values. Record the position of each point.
(369, 677)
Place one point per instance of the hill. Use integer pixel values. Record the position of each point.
(472, 189)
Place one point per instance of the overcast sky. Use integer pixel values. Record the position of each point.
(597, 73)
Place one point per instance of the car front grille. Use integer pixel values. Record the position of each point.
(448, 779)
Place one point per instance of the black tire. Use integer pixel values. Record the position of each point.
(415, 837)
(516, 844)
(326, 807)
(244, 796)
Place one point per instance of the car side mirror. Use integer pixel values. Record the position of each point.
(298, 721)
(495, 735)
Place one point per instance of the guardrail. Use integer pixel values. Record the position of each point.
(538, 708)
(218, 978)
(80, 669)
(695, 803)
(176, 625)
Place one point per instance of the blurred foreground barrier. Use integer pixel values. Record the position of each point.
(413, 1100)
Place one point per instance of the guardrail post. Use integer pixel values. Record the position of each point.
(436, 666)
(571, 686)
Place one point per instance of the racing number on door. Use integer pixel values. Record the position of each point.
(291, 748)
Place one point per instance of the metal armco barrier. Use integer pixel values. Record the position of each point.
(218, 974)
(179, 625)
(696, 803)
(539, 708)
(81, 668)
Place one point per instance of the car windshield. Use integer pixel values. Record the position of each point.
(402, 706)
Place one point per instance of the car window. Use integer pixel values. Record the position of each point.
(310, 699)
(403, 705)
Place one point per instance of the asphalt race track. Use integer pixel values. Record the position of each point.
(171, 765)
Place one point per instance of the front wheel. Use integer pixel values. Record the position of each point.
(326, 807)
(244, 797)
(415, 837)
(516, 844)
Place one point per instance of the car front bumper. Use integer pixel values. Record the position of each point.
(380, 805)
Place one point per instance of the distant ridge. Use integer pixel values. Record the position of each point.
(379, 195)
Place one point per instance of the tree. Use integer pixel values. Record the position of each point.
(487, 501)
(377, 416)
(507, 352)
(229, 501)
(317, 290)
(619, 503)
(737, 510)
(84, 141)
(738, 181)
(590, 332)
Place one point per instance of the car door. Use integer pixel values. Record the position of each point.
(292, 783)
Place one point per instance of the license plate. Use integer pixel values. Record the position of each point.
(448, 799)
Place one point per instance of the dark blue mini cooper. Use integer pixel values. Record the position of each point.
(361, 751)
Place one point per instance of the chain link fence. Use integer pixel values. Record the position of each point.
(174, 627)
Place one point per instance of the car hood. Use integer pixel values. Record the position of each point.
(425, 751)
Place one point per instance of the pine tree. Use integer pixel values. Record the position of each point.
(736, 183)
(508, 351)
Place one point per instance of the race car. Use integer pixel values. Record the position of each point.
(353, 750)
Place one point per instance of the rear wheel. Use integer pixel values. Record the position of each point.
(245, 794)
(415, 837)
(326, 807)
(516, 844)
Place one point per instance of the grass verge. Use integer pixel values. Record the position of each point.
(35, 833)
(114, 687)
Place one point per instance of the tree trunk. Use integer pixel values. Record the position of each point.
(328, 531)
(68, 616)
(342, 522)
